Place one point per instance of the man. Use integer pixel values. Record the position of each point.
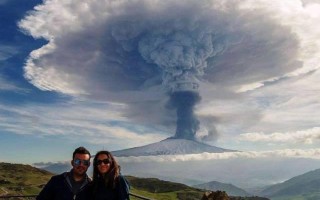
(70, 185)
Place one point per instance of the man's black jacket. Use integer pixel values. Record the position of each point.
(59, 188)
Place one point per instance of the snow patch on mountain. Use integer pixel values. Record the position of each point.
(170, 146)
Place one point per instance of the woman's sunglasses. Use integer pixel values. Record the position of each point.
(104, 161)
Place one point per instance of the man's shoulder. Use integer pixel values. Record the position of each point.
(89, 179)
(59, 176)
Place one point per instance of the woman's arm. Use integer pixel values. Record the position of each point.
(123, 189)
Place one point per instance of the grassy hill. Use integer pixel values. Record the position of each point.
(302, 187)
(21, 179)
(229, 188)
(165, 190)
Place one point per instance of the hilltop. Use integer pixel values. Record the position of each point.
(163, 190)
(229, 188)
(166, 190)
(302, 187)
(22, 179)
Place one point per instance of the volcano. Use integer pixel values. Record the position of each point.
(170, 146)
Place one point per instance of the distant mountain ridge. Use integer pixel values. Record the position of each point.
(162, 189)
(58, 168)
(170, 146)
(302, 187)
(229, 188)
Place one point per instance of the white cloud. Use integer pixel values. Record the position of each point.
(286, 153)
(301, 18)
(289, 105)
(83, 26)
(91, 122)
(6, 85)
(7, 51)
(306, 136)
(244, 169)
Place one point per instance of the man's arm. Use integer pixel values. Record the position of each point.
(47, 193)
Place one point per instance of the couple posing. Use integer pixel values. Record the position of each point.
(107, 183)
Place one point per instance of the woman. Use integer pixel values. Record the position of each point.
(107, 182)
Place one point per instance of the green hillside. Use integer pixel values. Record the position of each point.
(302, 187)
(163, 190)
(21, 179)
(229, 188)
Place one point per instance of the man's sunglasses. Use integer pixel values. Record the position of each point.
(78, 162)
(104, 161)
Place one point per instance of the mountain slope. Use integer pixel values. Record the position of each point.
(57, 168)
(229, 188)
(305, 186)
(166, 190)
(21, 179)
(170, 146)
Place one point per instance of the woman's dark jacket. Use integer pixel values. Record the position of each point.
(101, 192)
(59, 188)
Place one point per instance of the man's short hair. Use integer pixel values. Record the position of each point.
(80, 150)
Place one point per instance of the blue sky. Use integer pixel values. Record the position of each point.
(97, 73)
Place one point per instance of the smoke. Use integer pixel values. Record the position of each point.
(140, 53)
(180, 53)
(187, 122)
(180, 49)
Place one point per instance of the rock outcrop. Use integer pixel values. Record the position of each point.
(217, 195)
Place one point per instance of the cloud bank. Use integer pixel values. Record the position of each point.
(305, 136)
(286, 153)
(244, 169)
(86, 121)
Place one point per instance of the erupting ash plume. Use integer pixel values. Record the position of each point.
(187, 122)
(141, 53)
(181, 52)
